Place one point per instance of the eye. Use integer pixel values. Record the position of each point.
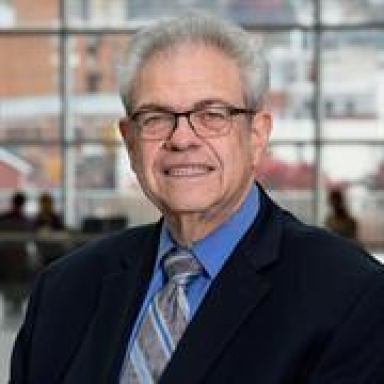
(151, 119)
(213, 115)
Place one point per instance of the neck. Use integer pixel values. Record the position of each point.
(186, 229)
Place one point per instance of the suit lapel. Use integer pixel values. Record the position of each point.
(121, 294)
(235, 294)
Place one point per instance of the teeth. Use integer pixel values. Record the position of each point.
(191, 170)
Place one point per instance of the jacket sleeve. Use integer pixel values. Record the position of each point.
(21, 349)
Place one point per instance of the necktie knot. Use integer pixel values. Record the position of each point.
(181, 267)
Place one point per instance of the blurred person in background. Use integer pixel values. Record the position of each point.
(227, 287)
(14, 256)
(47, 223)
(47, 218)
(340, 219)
(15, 218)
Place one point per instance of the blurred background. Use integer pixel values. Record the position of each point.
(59, 107)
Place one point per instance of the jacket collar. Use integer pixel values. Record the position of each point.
(122, 290)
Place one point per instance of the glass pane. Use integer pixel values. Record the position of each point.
(25, 13)
(29, 103)
(136, 12)
(292, 83)
(95, 105)
(353, 85)
(359, 170)
(288, 172)
(106, 188)
(25, 168)
(264, 12)
(351, 12)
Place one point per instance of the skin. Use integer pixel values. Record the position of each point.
(197, 183)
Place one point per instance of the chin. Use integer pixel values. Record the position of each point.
(183, 206)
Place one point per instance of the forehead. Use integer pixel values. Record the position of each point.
(183, 75)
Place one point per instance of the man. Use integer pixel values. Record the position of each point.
(340, 219)
(266, 299)
(15, 268)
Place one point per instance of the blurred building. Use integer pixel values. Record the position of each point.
(59, 102)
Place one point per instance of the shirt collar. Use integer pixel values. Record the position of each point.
(213, 251)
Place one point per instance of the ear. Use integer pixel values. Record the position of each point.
(126, 133)
(261, 131)
(124, 128)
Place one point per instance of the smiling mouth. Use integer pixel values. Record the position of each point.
(188, 170)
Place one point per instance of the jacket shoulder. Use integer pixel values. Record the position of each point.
(327, 264)
(104, 255)
(317, 244)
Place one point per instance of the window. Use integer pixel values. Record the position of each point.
(327, 96)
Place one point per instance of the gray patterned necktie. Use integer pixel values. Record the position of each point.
(164, 321)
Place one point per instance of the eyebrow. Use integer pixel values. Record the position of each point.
(166, 108)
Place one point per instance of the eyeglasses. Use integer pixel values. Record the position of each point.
(206, 121)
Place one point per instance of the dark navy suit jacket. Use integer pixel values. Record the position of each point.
(293, 304)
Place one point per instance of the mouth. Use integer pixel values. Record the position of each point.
(188, 170)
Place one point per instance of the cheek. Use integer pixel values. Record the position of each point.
(250, 150)
(134, 159)
(145, 163)
(242, 152)
(136, 156)
(235, 161)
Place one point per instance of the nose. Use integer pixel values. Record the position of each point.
(183, 136)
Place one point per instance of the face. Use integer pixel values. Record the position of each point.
(186, 175)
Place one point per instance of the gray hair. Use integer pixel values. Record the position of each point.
(196, 28)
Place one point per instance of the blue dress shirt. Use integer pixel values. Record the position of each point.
(212, 252)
